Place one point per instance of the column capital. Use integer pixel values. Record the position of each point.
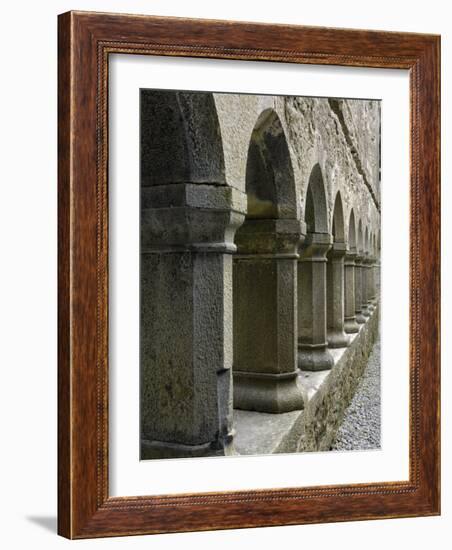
(368, 260)
(272, 237)
(315, 247)
(190, 217)
(350, 257)
(337, 251)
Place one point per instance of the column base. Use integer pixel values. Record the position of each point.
(360, 319)
(165, 449)
(365, 312)
(350, 325)
(338, 339)
(267, 392)
(314, 358)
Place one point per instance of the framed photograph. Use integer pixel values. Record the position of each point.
(248, 275)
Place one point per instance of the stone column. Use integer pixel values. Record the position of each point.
(313, 353)
(350, 324)
(360, 319)
(364, 300)
(265, 316)
(368, 273)
(373, 291)
(186, 318)
(377, 279)
(335, 297)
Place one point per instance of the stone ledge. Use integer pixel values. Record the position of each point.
(326, 395)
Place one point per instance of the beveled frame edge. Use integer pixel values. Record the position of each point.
(85, 41)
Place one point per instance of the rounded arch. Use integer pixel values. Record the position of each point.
(270, 182)
(180, 138)
(352, 232)
(315, 212)
(337, 224)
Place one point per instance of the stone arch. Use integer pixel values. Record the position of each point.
(337, 224)
(264, 273)
(187, 209)
(270, 182)
(359, 289)
(335, 279)
(180, 138)
(352, 232)
(316, 212)
(313, 353)
(365, 288)
(350, 322)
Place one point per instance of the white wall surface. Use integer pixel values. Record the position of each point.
(28, 285)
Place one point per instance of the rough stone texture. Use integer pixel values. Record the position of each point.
(313, 353)
(360, 123)
(187, 125)
(263, 433)
(361, 427)
(185, 381)
(335, 297)
(327, 394)
(342, 140)
(315, 134)
(324, 411)
(186, 318)
(265, 368)
(350, 323)
(303, 171)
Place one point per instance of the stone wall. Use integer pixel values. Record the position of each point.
(343, 140)
(260, 224)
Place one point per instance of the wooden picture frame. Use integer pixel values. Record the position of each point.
(85, 42)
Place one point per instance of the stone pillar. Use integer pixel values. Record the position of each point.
(377, 279)
(265, 316)
(313, 353)
(368, 273)
(335, 297)
(373, 281)
(350, 324)
(186, 318)
(360, 319)
(364, 300)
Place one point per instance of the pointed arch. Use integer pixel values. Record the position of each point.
(316, 213)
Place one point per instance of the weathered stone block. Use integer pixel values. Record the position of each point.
(186, 321)
(326, 394)
(265, 320)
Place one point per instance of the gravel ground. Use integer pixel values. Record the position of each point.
(360, 428)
